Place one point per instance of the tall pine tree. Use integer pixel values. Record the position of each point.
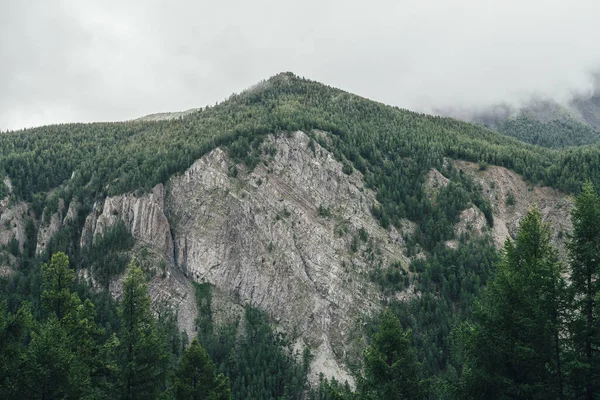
(196, 379)
(63, 352)
(12, 330)
(391, 367)
(142, 351)
(584, 252)
(513, 346)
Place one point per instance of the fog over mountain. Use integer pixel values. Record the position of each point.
(67, 60)
(581, 106)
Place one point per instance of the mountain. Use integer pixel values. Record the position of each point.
(166, 115)
(546, 123)
(318, 207)
(588, 108)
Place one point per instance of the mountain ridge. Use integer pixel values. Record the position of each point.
(317, 206)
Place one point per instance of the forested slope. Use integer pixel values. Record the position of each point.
(114, 158)
(393, 149)
(554, 134)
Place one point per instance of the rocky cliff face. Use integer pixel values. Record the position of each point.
(511, 197)
(143, 216)
(49, 226)
(294, 237)
(12, 225)
(281, 238)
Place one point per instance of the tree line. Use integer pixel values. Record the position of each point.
(64, 353)
(533, 333)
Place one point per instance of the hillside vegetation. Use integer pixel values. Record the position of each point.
(554, 134)
(451, 320)
(112, 158)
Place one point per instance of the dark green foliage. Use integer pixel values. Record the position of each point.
(347, 169)
(332, 390)
(3, 188)
(108, 255)
(584, 254)
(363, 235)
(324, 211)
(513, 347)
(51, 368)
(31, 239)
(248, 151)
(14, 247)
(196, 378)
(448, 283)
(58, 278)
(142, 356)
(260, 364)
(510, 199)
(555, 134)
(72, 348)
(51, 207)
(391, 369)
(436, 224)
(12, 331)
(66, 353)
(203, 301)
(391, 279)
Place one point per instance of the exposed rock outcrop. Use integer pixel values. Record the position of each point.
(471, 223)
(280, 238)
(434, 182)
(12, 217)
(294, 237)
(12, 225)
(49, 227)
(511, 197)
(143, 216)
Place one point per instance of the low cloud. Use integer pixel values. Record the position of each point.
(68, 60)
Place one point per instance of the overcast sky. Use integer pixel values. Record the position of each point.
(76, 60)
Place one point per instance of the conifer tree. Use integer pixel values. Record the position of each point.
(57, 282)
(195, 378)
(64, 357)
(513, 347)
(391, 369)
(584, 252)
(12, 329)
(142, 349)
(50, 367)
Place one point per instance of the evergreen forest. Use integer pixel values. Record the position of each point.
(517, 323)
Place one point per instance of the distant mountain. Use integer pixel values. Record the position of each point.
(588, 108)
(166, 116)
(542, 122)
